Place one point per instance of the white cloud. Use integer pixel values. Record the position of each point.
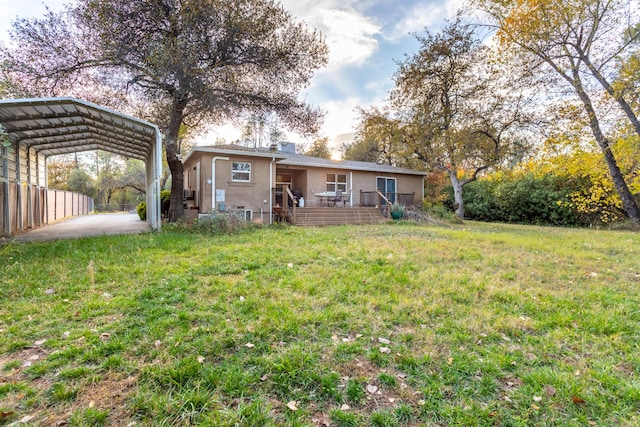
(350, 35)
(341, 116)
(430, 15)
(420, 16)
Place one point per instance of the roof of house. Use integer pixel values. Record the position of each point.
(234, 150)
(293, 159)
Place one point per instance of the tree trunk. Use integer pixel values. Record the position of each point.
(457, 194)
(628, 201)
(624, 105)
(176, 203)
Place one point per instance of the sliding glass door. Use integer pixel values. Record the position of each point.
(387, 186)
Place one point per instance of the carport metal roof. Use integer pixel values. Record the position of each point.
(52, 126)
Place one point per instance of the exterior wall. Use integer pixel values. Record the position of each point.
(258, 194)
(254, 195)
(314, 180)
(366, 181)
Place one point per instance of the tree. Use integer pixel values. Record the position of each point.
(583, 42)
(81, 182)
(456, 112)
(378, 134)
(58, 173)
(319, 148)
(185, 61)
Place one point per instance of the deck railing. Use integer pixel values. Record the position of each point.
(380, 199)
(285, 212)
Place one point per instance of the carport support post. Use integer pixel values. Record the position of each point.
(19, 188)
(30, 216)
(5, 194)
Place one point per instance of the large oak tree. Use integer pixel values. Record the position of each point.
(456, 109)
(583, 42)
(177, 61)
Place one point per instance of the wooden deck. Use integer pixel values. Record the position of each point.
(319, 216)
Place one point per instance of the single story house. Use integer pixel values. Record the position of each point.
(267, 184)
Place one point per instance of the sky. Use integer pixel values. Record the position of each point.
(366, 38)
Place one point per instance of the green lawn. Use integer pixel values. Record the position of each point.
(393, 325)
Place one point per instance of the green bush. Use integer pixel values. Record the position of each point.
(524, 199)
(165, 197)
(536, 200)
(142, 210)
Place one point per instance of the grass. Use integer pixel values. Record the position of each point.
(486, 325)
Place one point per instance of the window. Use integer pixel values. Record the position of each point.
(241, 171)
(336, 182)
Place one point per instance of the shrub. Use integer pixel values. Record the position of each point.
(219, 223)
(165, 200)
(524, 199)
(142, 210)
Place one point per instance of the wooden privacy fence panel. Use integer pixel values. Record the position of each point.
(23, 207)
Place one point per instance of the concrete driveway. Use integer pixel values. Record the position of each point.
(86, 226)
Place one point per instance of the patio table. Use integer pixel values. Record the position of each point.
(327, 197)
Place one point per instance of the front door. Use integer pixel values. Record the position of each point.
(387, 186)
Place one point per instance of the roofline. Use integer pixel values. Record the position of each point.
(71, 100)
(287, 159)
(375, 167)
(265, 154)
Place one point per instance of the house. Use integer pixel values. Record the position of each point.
(275, 184)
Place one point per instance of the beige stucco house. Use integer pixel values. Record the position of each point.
(259, 183)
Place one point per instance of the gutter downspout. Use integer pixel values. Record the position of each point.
(273, 160)
(213, 181)
(351, 188)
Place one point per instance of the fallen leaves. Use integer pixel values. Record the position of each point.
(24, 420)
(578, 400)
(371, 389)
(293, 405)
(550, 391)
(7, 414)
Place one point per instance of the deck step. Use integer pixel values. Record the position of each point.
(338, 216)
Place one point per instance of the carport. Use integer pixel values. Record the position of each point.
(42, 127)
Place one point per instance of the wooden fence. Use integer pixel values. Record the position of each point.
(23, 207)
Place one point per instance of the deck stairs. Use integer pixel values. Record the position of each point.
(319, 216)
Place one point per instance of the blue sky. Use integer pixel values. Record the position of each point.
(365, 38)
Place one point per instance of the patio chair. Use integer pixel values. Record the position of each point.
(338, 198)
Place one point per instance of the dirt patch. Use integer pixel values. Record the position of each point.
(110, 394)
(378, 395)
